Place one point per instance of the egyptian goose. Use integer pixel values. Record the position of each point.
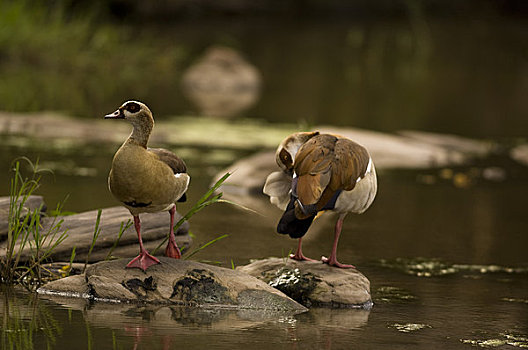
(320, 172)
(146, 180)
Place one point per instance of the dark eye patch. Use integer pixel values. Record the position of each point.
(132, 107)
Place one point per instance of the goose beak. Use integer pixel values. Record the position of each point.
(116, 115)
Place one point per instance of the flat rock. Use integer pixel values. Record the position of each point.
(80, 230)
(178, 282)
(313, 283)
(407, 150)
(449, 142)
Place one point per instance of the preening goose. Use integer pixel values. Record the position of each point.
(146, 180)
(320, 172)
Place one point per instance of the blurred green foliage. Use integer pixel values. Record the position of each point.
(447, 66)
(51, 57)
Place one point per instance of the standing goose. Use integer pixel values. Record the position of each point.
(320, 172)
(146, 180)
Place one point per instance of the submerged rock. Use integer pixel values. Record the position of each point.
(178, 282)
(314, 283)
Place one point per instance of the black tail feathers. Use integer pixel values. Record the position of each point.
(183, 198)
(290, 225)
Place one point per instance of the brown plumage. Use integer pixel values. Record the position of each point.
(146, 180)
(328, 172)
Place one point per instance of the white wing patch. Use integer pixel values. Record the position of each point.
(184, 175)
(369, 166)
(369, 169)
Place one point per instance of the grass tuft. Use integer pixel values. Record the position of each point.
(25, 231)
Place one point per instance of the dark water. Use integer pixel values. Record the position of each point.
(448, 265)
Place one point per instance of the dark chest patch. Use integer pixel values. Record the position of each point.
(135, 204)
(331, 203)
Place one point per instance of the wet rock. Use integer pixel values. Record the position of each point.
(314, 283)
(222, 83)
(80, 229)
(178, 282)
(32, 203)
(72, 286)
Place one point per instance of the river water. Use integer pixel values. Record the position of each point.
(447, 258)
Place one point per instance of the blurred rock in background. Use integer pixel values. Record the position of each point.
(222, 83)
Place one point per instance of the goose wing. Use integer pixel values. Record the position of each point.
(173, 161)
(313, 168)
(350, 164)
(324, 166)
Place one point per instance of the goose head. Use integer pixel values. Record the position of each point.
(135, 112)
(140, 116)
(285, 155)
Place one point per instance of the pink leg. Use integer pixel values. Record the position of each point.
(299, 254)
(332, 261)
(144, 260)
(172, 250)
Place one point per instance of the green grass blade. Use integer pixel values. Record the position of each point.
(97, 231)
(238, 205)
(206, 245)
(122, 230)
(72, 257)
(213, 188)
